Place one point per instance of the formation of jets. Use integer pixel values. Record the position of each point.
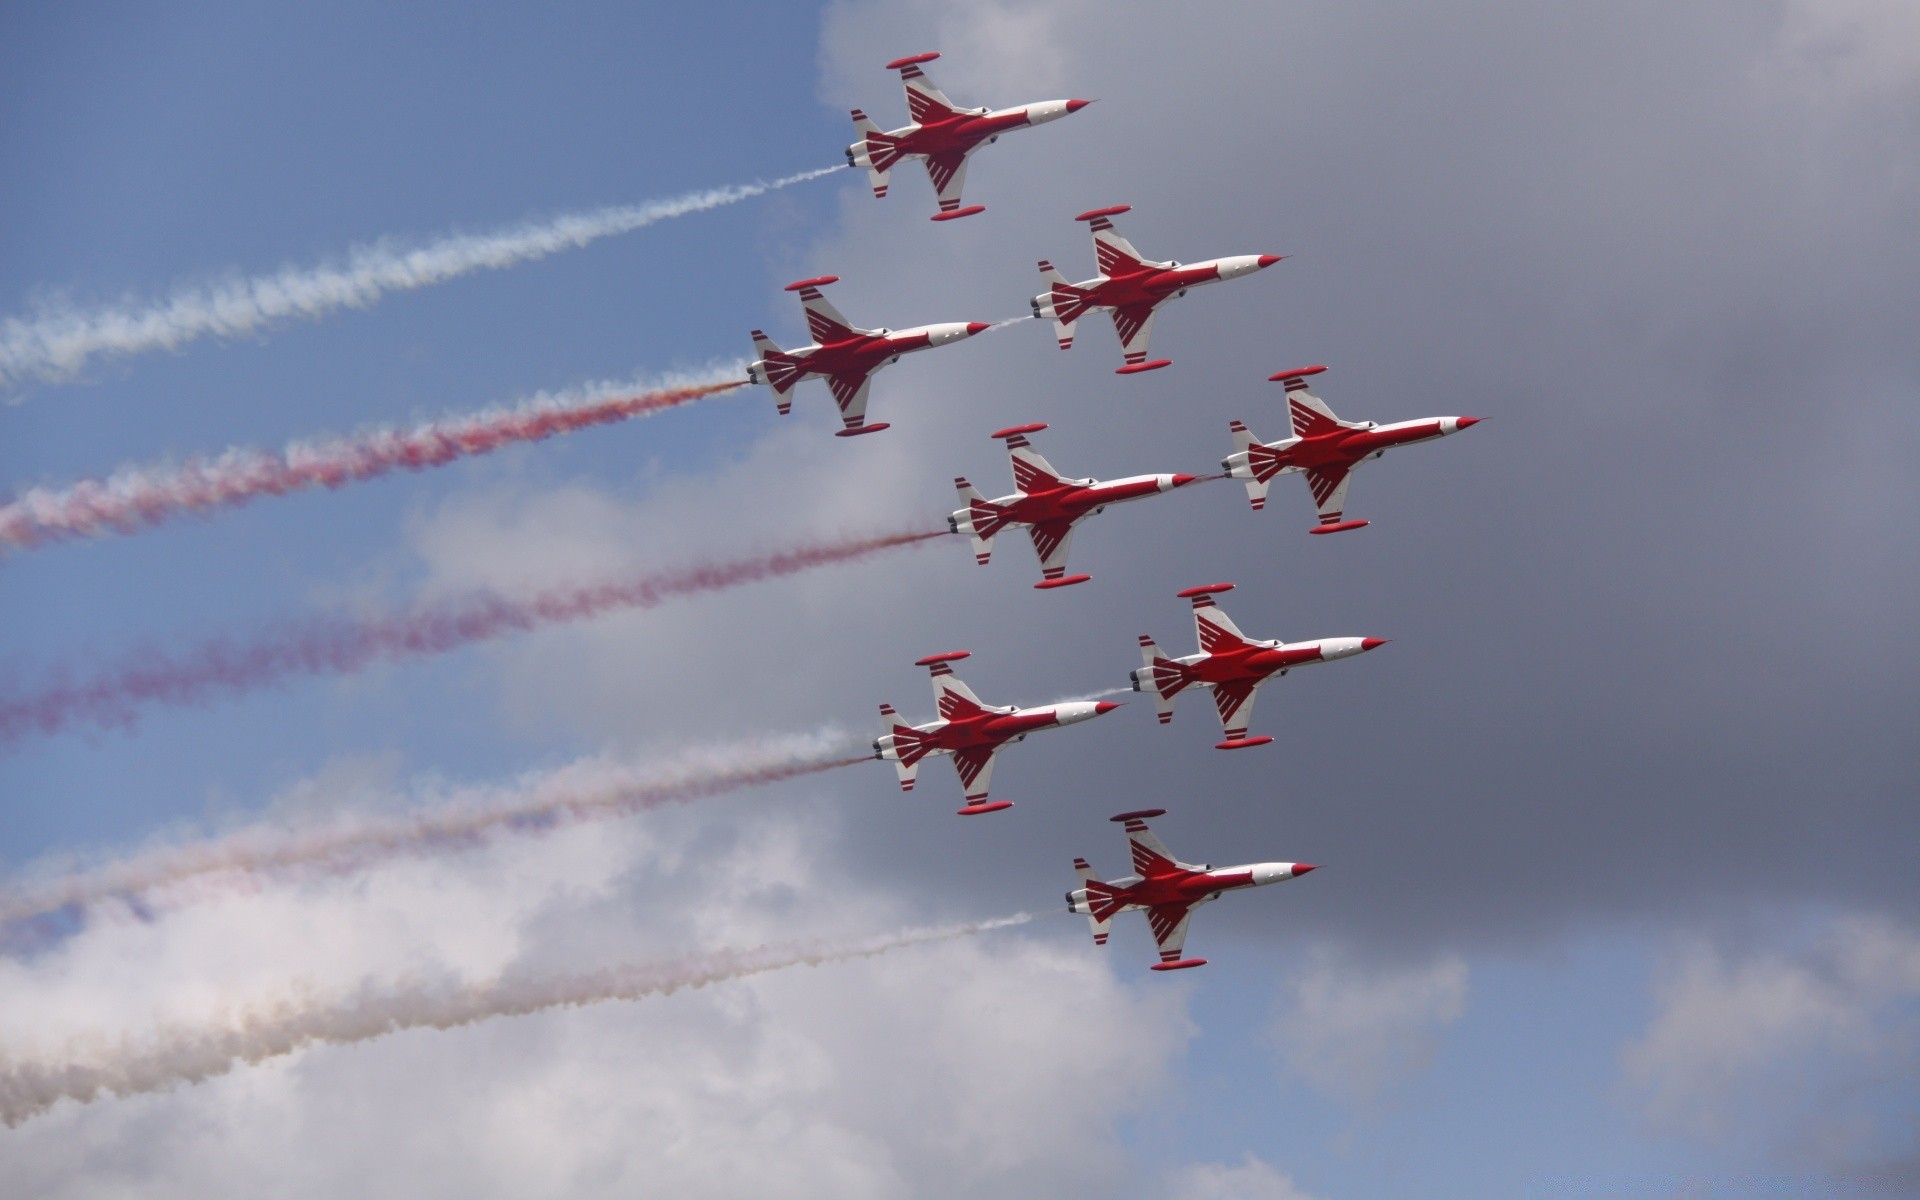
(1047, 505)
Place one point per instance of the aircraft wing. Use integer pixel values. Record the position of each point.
(1213, 629)
(850, 393)
(825, 324)
(948, 171)
(1134, 324)
(1169, 925)
(1235, 702)
(952, 698)
(1050, 542)
(1329, 486)
(925, 101)
(1114, 254)
(1150, 855)
(975, 766)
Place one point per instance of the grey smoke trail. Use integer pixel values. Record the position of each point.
(181, 1055)
(56, 342)
(586, 790)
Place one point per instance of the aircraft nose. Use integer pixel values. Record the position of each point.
(1373, 643)
(1104, 707)
(1463, 422)
(1300, 869)
(1183, 480)
(1267, 260)
(1077, 105)
(974, 327)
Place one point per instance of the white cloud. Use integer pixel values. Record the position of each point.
(1790, 1051)
(1853, 48)
(1251, 1180)
(1356, 1032)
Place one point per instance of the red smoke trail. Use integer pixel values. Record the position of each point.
(135, 498)
(339, 646)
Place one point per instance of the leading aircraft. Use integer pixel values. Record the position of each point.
(1130, 287)
(970, 731)
(1323, 446)
(844, 354)
(1166, 889)
(1231, 664)
(1048, 503)
(941, 135)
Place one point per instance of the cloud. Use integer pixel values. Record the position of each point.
(1804, 1054)
(1251, 1180)
(1357, 1032)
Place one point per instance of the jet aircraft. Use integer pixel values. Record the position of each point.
(1325, 448)
(941, 135)
(1130, 287)
(1166, 889)
(970, 731)
(1048, 503)
(845, 355)
(1231, 664)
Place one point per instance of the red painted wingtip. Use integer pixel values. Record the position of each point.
(1300, 869)
(876, 427)
(1241, 743)
(1295, 373)
(977, 327)
(1138, 814)
(1074, 106)
(1205, 590)
(957, 213)
(821, 281)
(949, 656)
(1182, 965)
(1010, 430)
(1136, 368)
(911, 59)
(1267, 260)
(1373, 643)
(1104, 707)
(1183, 480)
(1115, 211)
(1068, 581)
(1338, 527)
(974, 810)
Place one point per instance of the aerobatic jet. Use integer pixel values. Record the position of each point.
(1166, 889)
(842, 353)
(1323, 446)
(971, 732)
(1048, 503)
(1230, 664)
(1130, 287)
(941, 135)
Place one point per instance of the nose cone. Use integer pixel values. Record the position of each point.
(1370, 644)
(1300, 869)
(1267, 260)
(1104, 707)
(977, 327)
(1463, 422)
(1077, 105)
(1183, 480)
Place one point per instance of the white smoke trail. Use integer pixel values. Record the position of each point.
(56, 342)
(183, 1055)
(589, 789)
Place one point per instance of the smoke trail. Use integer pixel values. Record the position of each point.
(340, 645)
(56, 342)
(180, 1055)
(591, 789)
(138, 497)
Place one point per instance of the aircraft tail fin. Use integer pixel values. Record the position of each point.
(775, 368)
(979, 518)
(1160, 677)
(1062, 302)
(874, 149)
(1101, 925)
(908, 746)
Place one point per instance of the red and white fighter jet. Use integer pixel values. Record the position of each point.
(1166, 889)
(1323, 446)
(942, 135)
(1130, 287)
(1231, 664)
(1048, 503)
(971, 732)
(843, 353)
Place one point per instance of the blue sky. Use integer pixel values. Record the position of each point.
(1605, 865)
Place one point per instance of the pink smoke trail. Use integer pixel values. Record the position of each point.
(178, 1055)
(591, 789)
(341, 645)
(140, 497)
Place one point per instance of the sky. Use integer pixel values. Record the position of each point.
(1616, 896)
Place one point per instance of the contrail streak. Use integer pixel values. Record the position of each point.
(139, 497)
(342, 645)
(184, 1055)
(591, 789)
(56, 342)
